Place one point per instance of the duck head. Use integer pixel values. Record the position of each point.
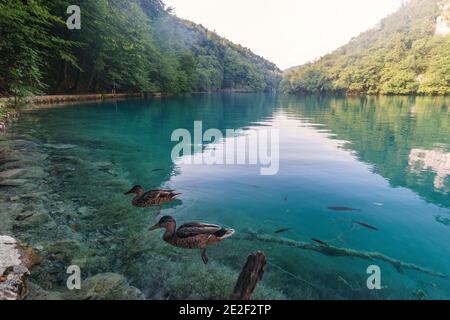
(135, 189)
(166, 222)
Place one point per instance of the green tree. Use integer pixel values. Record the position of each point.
(26, 45)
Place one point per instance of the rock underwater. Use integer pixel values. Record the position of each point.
(105, 286)
(16, 260)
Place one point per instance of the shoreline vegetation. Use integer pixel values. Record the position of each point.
(141, 47)
(407, 53)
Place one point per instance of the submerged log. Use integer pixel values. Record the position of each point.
(251, 274)
(341, 252)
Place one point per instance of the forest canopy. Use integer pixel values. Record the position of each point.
(401, 55)
(122, 46)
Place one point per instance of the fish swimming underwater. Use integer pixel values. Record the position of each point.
(343, 209)
(379, 204)
(365, 225)
(282, 230)
(444, 221)
(323, 243)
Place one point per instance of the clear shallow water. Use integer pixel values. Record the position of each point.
(388, 157)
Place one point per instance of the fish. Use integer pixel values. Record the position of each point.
(154, 170)
(365, 225)
(444, 221)
(286, 198)
(323, 243)
(282, 230)
(379, 204)
(23, 216)
(343, 209)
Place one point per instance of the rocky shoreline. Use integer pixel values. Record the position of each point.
(16, 260)
(51, 99)
(7, 114)
(44, 238)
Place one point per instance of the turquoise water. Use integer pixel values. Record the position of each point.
(387, 157)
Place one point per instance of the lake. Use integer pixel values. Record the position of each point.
(368, 176)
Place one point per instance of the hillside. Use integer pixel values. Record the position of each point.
(122, 46)
(406, 53)
(219, 62)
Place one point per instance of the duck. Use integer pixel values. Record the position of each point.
(192, 235)
(151, 198)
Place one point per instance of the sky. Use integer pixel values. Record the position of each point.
(286, 32)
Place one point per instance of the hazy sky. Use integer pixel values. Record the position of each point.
(287, 32)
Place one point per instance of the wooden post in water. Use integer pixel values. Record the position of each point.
(251, 274)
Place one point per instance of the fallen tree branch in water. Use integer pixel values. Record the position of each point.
(339, 252)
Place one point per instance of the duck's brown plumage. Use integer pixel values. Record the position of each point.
(198, 235)
(193, 235)
(151, 198)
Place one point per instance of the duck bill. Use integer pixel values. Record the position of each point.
(129, 192)
(156, 226)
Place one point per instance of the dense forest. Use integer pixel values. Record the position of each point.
(406, 53)
(122, 46)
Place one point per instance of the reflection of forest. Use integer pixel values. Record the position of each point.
(436, 160)
(383, 131)
(142, 129)
(221, 111)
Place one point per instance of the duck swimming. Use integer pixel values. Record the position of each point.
(193, 235)
(151, 198)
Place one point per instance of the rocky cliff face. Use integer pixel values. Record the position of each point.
(435, 160)
(443, 21)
